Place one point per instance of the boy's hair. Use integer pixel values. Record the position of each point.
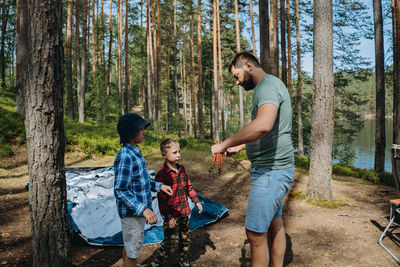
(166, 144)
(240, 58)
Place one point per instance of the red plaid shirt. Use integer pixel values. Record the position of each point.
(176, 205)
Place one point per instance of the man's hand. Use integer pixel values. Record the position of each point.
(217, 148)
(235, 149)
(151, 217)
(167, 189)
(171, 223)
(200, 207)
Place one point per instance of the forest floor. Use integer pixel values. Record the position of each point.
(316, 236)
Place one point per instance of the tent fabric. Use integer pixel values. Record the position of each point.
(93, 216)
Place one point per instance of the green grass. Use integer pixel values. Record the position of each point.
(12, 129)
(385, 178)
(327, 204)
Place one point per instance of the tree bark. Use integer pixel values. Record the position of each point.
(70, 99)
(108, 90)
(289, 42)
(319, 183)
(192, 85)
(396, 87)
(22, 52)
(200, 74)
(283, 40)
(184, 87)
(2, 49)
(264, 36)
(221, 104)
(380, 139)
(43, 89)
(127, 82)
(299, 96)
(120, 60)
(158, 65)
(149, 62)
(253, 37)
(94, 47)
(176, 64)
(241, 112)
(215, 80)
(82, 86)
(274, 43)
(169, 87)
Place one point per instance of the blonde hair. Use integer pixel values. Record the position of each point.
(166, 144)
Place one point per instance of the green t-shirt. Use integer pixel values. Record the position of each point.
(274, 150)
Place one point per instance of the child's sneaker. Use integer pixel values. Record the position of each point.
(184, 263)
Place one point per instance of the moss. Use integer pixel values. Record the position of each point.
(327, 204)
(297, 195)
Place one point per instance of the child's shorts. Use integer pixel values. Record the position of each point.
(133, 235)
(268, 188)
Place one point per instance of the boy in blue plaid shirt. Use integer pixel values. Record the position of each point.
(132, 187)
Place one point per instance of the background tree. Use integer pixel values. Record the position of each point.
(68, 58)
(283, 40)
(43, 87)
(396, 87)
(380, 139)
(200, 74)
(300, 146)
(319, 183)
(274, 42)
(237, 27)
(264, 36)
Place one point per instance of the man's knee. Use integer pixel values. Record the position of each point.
(256, 239)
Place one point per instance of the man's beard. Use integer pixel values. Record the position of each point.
(248, 81)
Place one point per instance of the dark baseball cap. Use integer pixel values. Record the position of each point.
(129, 125)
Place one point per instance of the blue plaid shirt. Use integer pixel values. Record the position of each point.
(132, 183)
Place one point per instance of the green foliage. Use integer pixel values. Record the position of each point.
(302, 162)
(12, 129)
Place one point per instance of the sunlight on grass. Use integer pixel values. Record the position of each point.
(327, 204)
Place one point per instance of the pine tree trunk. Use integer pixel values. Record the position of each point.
(200, 75)
(176, 65)
(289, 42)
(274, 43)
(299, 94)
(94, 47)
(283, 40)
(22, 51)
(192, 85)
(215, 70)
(221, 103)
(319, 183)
(82, 86)
(149, 62)
(127, 83)
(108, 90)
(396, 87)
(264, 36)
(78, 46)
(120, 62)
(70, 99)
(380, 139)
(184, 87)
(253, 38)
(241, 112)
(43, 87)
(158, 65)
(169, 87)
(2, 49)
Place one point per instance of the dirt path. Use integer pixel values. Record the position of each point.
(345, 236)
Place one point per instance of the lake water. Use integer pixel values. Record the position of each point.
(364, 145)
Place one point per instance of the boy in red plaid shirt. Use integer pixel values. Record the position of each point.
(174, 209)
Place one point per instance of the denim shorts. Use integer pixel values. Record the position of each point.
(133, 235)
(268, 188)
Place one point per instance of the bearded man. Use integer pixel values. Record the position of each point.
(268, 144)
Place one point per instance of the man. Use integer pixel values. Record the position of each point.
(268, 144)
